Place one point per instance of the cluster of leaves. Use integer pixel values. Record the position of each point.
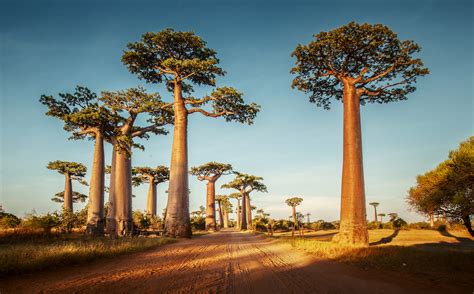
(198, 219)
(294, 201)
(246, 183)
(211, 171)
(77, 171)
(143, 174)
(8, 220)
(76, 197)
(144, 221)
(371, 57)
(447, 190)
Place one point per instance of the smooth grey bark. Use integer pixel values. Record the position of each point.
(68, 192)
(111, 225)
(95, 212)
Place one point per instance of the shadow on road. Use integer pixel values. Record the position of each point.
(386, 240)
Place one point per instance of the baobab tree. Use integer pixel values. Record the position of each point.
(293, 202)
(356, 64)
(152, 176)
(375, 204)
(85, 117)
(245, 184)
(181, 60)
(307, 218)
(76, 197)
(130, 104)
(71, 171)
(211, 172)
(237, 196)
(225, 207)
(381, 215)
(393, 216)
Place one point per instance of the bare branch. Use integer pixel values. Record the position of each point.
(208, 114)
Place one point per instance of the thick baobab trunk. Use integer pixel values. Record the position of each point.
(243, 213)
(177, 222)
(432, 220)
(123, 193)
(249, 214)
(111, 226)
(68, 192)
(211, 206)
(295, 220)
(226, 219)
(353, 228)
(221, 216)
(95, 212)
(151, 201)
(238, 213)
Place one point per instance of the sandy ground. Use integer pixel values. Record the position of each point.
(225, 262)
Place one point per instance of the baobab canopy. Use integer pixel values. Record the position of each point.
(382, 67)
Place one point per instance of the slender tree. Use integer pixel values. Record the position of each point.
(293, 202)
(307, 218)
(85, 117)
(381, 216)
(393, 216)
(223, 203)
(211, 172)
(375, 204)
(130, 104)
(237, 196)
(71, 171)
(181, 60)
(356, 64)
(245, 184)
(152, 176)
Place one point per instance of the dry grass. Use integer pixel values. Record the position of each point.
(20, 253)
(430, 254)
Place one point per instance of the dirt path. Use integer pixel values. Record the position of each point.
(226, 262)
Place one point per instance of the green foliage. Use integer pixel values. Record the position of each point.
(448, 189)
(157, 175)
(45, 222)
(322, 225)
(374, 225)
(294, 201)
(246, 183)
(371, 57)
(76, 197)
(8, 220)
(68, 220)
(395, 223)
(76, 170)
(419, 226)
(211, 171)
(198, 219)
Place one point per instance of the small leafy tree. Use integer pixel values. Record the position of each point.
(245, 184)
(71, 171)
(356, 64)
(211, 172)
(152, 176)
(181, 60)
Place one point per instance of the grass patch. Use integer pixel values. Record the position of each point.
(447, 264)
(21, 253)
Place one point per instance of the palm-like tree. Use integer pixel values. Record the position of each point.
(293, 202)
(375, 204)
(237, 196)
(381, 216)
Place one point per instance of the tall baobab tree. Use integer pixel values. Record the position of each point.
(237, 196)
(293, 202)
(356, 64)
(211, 172)
(381, 216)
(152, 176)
(224, 207)
(307, 219)
(181, 60)
(85, 117)
(245, 184)
(71, 171)
(375, 204)
(130, 104)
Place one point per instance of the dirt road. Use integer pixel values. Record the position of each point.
(225, 262)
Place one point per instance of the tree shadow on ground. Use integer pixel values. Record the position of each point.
(386, 240)
(445, 233)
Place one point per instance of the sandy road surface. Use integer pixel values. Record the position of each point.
(225, 262)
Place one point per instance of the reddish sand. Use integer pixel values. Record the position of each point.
(225, 262)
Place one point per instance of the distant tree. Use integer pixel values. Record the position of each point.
(71, 171)
(293, 202)
(152, 176)
(381, 215)
(447, 190)
(375, 204)
(393, 216)
(356, 64)
(307, 218)
(181, 60)
(85, 117)
(225, 207)
(198, 218)
(237, 196)
(76, 197)
(211, 172)
(130, 104)
(245, 184)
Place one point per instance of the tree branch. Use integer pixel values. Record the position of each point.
(208, 114)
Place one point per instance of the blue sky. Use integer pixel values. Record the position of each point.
(50, 46)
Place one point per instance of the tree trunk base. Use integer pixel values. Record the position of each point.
(96, 229)
(173, 230)
(124, 227)
(352, 235)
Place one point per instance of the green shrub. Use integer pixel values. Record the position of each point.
(45, 222)
(419, 226)
(8, 220)
(374, 225)
(198, 222)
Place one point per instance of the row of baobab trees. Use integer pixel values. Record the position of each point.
(355, 64)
